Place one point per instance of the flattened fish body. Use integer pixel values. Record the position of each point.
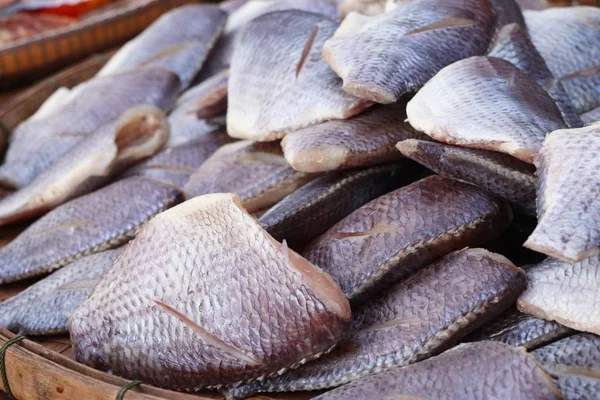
(499, 173)
(278, 80)
(512, 43)
(569, 40)
(176, 164)
(366, 139)
(203, 297)
(44, 308)
(521, 330)
(577, 387)
(38, 142)
(574, 355)
(414, 320)
(485, 103)
(507, 12)
(140, 132)
(316, 206)
(365, 7)
(257, 172)
(383, 57)
(394, 235)
(478, 371)
(591, 116)
(566, 293)
(92, 223)
(567, 197)
(178, 41)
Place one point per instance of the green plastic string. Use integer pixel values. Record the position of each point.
(3, 349)
(125, 388)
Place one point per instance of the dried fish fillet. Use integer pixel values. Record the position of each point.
(521, 330)
(193, 113)
(566, 293)
(577, 387)
(37, 143)
(227, 302)
(569, 40)
(394, 235)
(278, 80)
(383, 57)
(574, 355)
(366, 139)
(176, 164)
(364, 7)
(478, 371)
(178, 41)
(44, 308)
(512, 43)
(498, 173)
(567, 202)
(139, 133)
(414, 320)
(257, 172)
(485, 103)
(98, 221)
(316, 206)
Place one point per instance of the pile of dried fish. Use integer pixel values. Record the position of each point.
(394, 158)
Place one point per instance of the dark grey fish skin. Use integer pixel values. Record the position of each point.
(512, 43)
(569, 40)
(507, 12)
(577, 387)
(176, 164)
(383, 57)
(178, 41)
(316, 206)
(38, 142)
(475, 371)
(520, 330)
(591, 116)
(92, 223)
(44, 308)
(574, 355)
(533, 4)
(498, 173)
(396, 234)
(416, 319)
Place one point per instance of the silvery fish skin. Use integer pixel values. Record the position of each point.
(400, 232)
(139, 133)
(315, 207)
(478, 371)
(567, 201)
(278, 81)
(591, 116)
(37, 143)
(178, 41)
(512, 43)
(220, 56)
(578, 387)
(44, 307)
(566, 293)
(418, 318)
(366, 139)
(211, 280)
(383, 57)
(520, 330)
(175, 165)
(257, 172)
(498, 173)
(569, 40)
(98, 221)
(485, 103)
(574, 355)
(195, 109)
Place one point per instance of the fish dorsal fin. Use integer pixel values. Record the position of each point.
(377, 229)
(444, 23)
(306, 50)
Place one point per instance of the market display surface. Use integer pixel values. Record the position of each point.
(329, 199)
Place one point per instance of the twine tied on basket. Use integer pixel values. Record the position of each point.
(3, 349)
(125, 388)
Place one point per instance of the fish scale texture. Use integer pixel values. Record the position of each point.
(569, 40)
(478, 371)
(415, 319)
(254, 310)
(271, 91)
(100, 220)
(37, 143)
(582, 350)
(566, 293)
(392, 236)
(568, 198)
(575, 387)
(486, 103)
(383, 57)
